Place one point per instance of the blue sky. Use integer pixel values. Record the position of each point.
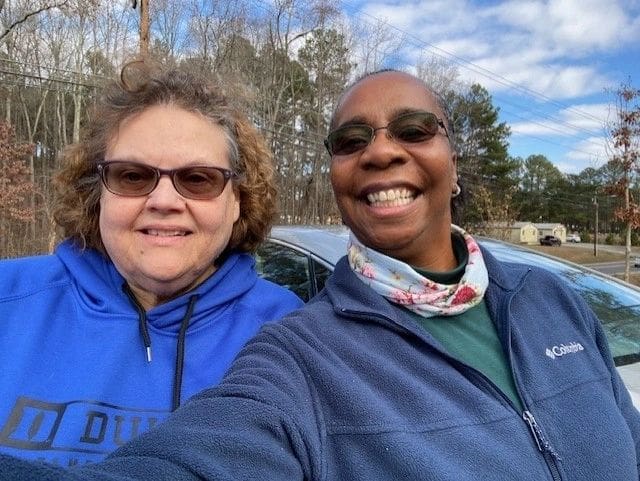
(551, 66)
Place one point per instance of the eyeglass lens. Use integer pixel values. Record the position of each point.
(134, 179)
(409, 128)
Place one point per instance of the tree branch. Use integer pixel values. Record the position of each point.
(28, 15)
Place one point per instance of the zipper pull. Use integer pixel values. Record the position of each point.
(541, 441)
(535, 430)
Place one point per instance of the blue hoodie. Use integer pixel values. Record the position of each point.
(75, 381)
(350, 388)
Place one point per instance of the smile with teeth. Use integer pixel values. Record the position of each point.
(165, 233)
(391, 198)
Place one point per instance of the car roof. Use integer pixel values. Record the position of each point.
(327, 243)
(330, 243)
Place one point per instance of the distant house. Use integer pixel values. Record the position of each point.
(557, 230)
(524, 233)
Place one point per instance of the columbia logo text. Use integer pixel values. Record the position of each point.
(563, 349)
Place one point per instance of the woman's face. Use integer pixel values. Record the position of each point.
(163, 243)
(415, 229)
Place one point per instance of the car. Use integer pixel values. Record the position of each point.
(550, 240)
(301, 258)
(636, 262)
(574, 237)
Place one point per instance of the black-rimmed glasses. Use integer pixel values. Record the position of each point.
(133, 179)
(409, 128)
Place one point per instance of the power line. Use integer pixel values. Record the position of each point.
(439, 52)
(467, 64)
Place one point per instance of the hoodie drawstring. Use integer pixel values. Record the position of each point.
(177, 373)
(142, 320)
(144, 332)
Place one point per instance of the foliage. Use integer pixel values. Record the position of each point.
(496, 214)
(625, 140)
(15, 176)
(15, 187)
(286, 63)
(611, 239)
(625, 136)
(540, 185)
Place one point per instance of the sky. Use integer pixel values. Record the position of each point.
(552, 67)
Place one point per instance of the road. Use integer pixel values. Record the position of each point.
(611, 268)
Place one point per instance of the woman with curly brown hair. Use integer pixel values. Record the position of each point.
(153, 292)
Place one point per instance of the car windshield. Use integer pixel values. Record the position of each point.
(619, 319)
(616, 305)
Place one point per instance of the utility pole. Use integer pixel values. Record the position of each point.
(627, 205)
(595, 229)
(144, 26)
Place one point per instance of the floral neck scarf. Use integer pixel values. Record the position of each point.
(401, 284)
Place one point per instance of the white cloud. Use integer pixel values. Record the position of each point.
(545, 80)
(424, 18)
(576, 120)
(569, 27)
(591, 152)
(533, 56)
(543, 46)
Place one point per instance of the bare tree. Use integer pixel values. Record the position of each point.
(625, 158)
(374, 43)
(22, 15)
(440, 74)
(167, 19)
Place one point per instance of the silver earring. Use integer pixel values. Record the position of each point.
(456, 191)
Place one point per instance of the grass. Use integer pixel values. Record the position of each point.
(585, 256)
(579, 255)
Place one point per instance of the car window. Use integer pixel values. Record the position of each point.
(617, 306)
(619, 311)
(320, 274)
(286, 267)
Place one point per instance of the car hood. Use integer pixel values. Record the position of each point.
(631, 376)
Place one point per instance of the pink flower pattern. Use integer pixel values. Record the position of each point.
(463, 294)
(368, 271)
(401, 284)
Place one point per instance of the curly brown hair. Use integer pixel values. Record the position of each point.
(142, 85)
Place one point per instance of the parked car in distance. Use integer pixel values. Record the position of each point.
(574, 237)
(550, 240)
(302, 258)
(636, 262)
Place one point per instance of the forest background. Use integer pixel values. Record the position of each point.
(285, 62)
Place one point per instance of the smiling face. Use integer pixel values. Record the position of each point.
(164, 244)
(395, 197)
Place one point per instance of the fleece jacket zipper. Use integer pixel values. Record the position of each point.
(549, 455)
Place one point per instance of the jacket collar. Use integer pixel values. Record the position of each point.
(348, 294)
(505, 275)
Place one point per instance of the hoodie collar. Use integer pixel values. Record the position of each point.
(98, 288)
